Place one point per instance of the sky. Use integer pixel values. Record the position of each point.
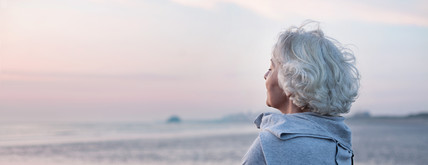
(142, 60)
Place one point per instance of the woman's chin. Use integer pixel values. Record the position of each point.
(268, 104)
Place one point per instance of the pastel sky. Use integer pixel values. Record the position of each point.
(149, 59)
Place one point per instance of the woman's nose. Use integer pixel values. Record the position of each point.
(266, 74)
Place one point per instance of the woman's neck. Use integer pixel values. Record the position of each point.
(289, 108)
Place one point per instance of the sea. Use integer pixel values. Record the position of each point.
(386, 141)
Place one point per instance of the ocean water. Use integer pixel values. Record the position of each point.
(375, 141)
(390, 141)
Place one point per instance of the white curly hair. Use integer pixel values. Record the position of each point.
(316, 72)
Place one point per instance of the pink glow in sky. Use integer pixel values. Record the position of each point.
(147, 60)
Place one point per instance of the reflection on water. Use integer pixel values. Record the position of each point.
(226, 149)
(375, 141)
(126, 143)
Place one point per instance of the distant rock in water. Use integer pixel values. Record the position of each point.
(360, 115)
(419, 115)
(239, 117)
(174, 119)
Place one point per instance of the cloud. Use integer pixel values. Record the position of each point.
(320, 10)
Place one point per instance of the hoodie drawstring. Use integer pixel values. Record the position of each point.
(337, 150)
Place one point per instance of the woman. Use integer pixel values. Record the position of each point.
(311, 81)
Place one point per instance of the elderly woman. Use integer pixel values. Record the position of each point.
(312, 79)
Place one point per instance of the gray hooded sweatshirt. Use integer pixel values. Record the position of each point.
(300, 138)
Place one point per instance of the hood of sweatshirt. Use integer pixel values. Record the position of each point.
(307, 124)
(284, 126)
